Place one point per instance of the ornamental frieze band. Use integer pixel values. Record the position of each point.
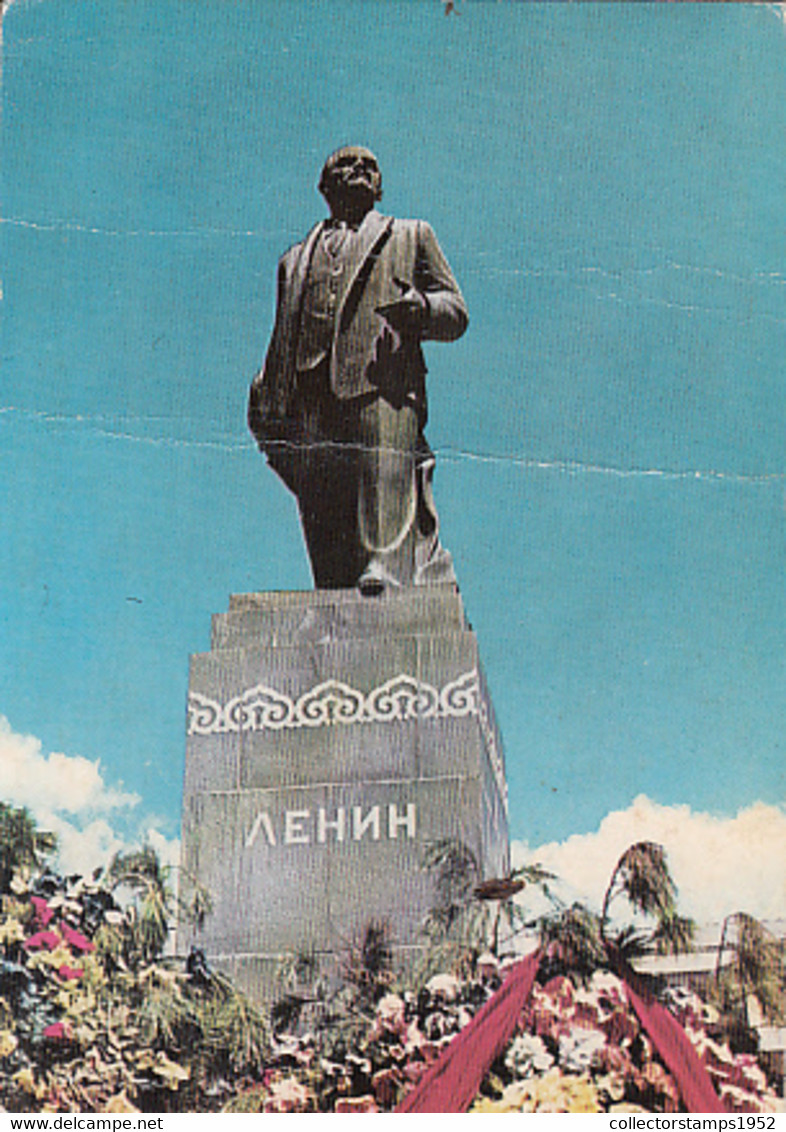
(262, 708)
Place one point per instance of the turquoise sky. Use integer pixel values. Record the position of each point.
(608, 184)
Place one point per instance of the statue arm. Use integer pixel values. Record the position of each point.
(445, 318)
(265, 411)
(269, 393)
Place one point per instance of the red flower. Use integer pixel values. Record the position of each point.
(737, 1100)
(586, 1015)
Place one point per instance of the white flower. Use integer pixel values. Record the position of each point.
(579, 1048)
(390, 1011)
(683, 999)
(487, 965)
(528, 1054)
(287, 1095)
(444, 986)
(603, 982)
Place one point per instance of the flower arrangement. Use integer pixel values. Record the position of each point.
(94, 1018)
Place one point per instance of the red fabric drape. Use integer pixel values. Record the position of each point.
(676, 1051)
(452, 1082)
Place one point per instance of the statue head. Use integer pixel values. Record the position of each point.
(351, 182)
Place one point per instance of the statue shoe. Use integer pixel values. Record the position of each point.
(371, 584)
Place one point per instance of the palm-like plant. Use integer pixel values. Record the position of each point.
(198, 906)
(454, 927)
(503, 891)
(673, 934)
(235, 1033)
(22, 843)
(642, 877)
(469, 912)
(142, 871)
(368, 963)
(572, 942)
(164, 1011)
(576, 940)
(759, 968)
(301, 988)
(456, 872)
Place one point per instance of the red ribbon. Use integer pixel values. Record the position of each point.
(676, 1051)
(452, 1082)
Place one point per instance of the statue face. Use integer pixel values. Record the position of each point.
(351, 180)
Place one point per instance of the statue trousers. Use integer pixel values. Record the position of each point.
(362, 476)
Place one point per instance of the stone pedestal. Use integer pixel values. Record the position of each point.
(331, 737)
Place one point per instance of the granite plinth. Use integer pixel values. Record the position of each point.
(331, 737)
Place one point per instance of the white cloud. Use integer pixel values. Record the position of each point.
(67, 783)
(69, 795)
(720, 864)
(81, 849)
(168, 848)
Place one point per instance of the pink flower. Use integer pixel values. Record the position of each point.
(663, 1084)
(65, 972)
(550, 1010)
(561, 990)
(545, 1020)
(58, 1031)
(747, 1074)
(718, 1058)
(75, 939)
(621, 1027)
(429, 1051)
(42, 910)
(42, 939)
(617, 1062)
(414, 1070)
(586, 1014)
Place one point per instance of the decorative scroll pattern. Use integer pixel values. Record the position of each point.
(261, 708)
(403, 698)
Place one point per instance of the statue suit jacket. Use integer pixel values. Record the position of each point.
(367, 356)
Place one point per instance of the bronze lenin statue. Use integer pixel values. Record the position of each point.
(339, 407)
